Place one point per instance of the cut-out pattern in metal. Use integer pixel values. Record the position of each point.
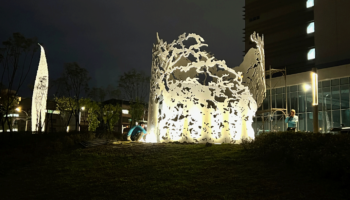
(40, 94)
(197, 98)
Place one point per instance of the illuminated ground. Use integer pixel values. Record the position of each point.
(163, 171)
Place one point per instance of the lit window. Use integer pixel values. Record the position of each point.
(125, 111)
(311, 27)
(311, 54)
(309, 3)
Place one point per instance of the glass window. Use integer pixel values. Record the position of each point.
(288, 101)
(309, 122)
(294, 101)
(320, 123)
(344, 81)
(310, 28)
(326, 84)
(326, 94)
(335, 82)
(279, 101)
(301, 125)
(309, 3)
(280, 121)
(273, 91)
(279, 90)
(335, 98)
(336, 118)
(301, 98)
(301, 88)
(293, 88)
(344, 95)
(309, 101)
(311, 54)
(345, 114)
(320, 99)
(328, 119)
(319, 84)
(266, 102)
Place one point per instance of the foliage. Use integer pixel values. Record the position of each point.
(111, 114)
(137, 110)
(326, 154)
(74, 83)
(16, 58)
(93, 110)
(99, 94)
(134, 85)
(66, 105)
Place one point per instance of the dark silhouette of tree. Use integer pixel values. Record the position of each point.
(16, 61)
(134, 86)
(74, 83)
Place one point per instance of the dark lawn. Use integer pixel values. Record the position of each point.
(162, 171)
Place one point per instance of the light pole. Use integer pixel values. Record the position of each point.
(314, 83)
(19, 110)
(328, 125)
(82, 109)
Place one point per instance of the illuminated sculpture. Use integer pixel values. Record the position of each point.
(197, 98)
(40, 94)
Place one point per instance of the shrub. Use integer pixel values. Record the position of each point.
(326, 154)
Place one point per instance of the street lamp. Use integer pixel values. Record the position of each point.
(18, 109)
(306, 87)
(314, 86)
(82, 109)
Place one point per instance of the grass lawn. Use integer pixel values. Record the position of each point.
(161, 171)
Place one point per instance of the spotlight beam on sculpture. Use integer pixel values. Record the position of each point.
(40, 94)
(196, 98)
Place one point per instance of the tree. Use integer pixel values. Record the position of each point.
(16, 60)
(93, 110)
(66, 105)
(111, 115)
(135, 88)
(134, 85)
(100, 94)
(137, 110)
(74, 83)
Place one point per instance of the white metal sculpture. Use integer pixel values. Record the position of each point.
(197, 98)
(40, 94)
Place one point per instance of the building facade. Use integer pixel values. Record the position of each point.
(301, 35)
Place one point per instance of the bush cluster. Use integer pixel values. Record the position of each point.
(45, 143)
(325, 154)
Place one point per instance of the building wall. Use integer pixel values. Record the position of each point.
(284, 25)
(333, 92)
(332, 31)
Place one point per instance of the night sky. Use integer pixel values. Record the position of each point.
(110, 37)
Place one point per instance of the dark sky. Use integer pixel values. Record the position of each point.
(109, 37)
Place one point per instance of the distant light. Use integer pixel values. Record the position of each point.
(18, 109)
(309, 3)
(124, 111)
(311, 54)
(306, 87)
(83, 108)
(311, 28)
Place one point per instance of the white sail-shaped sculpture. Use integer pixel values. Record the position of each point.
(40, 94)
